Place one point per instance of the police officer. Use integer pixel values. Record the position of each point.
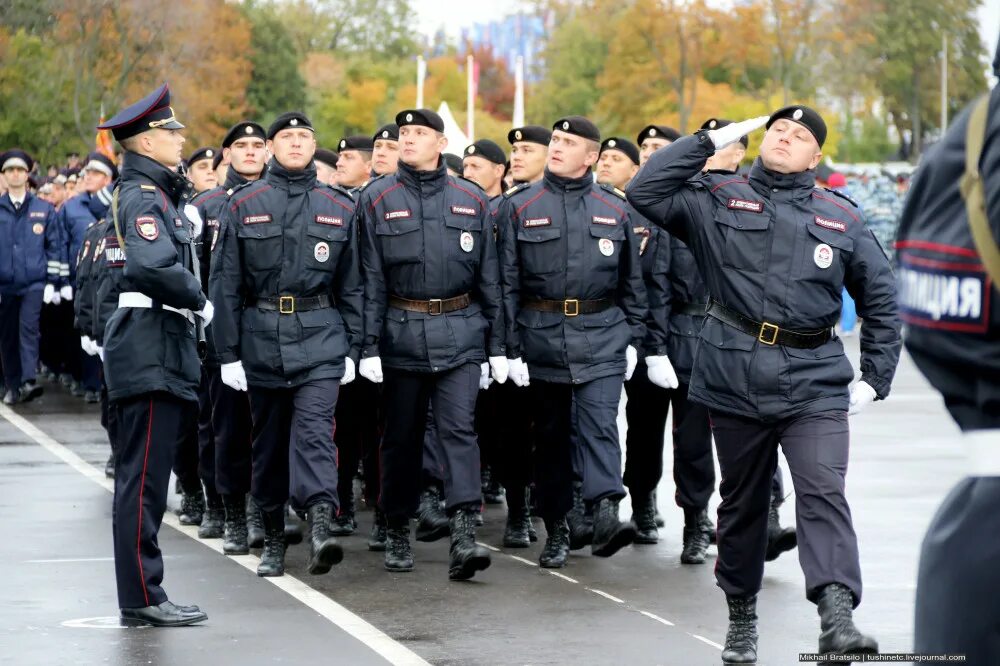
(484, 163)
(31, 255)
(529, 147)
(326, 166)
(654, 137)
(224, 413)
(774, 254)
(286, 276)
(151, 362)
(385, 150)
(354, 163)
(948, 236)
(574, 304)
(199, 170)
(432, 302)
(219, 165)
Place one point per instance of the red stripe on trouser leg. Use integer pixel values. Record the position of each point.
(142, 485)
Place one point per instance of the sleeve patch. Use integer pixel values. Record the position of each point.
(147, 228)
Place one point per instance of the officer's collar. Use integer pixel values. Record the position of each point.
(422, 180)
(565, 184)
(765, 181)
(166, 179)
(299, 180)
(234, 178)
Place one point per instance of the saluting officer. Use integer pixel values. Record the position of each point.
(286, 275)
(574, 305)
(431, 317)
(150, 358)
(775, 253)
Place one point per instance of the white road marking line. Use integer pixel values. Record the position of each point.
(605, 595)
(77, 559)
(705, 640)
(563, 576)
(657, 618)
(368, 634)
(488, 546)
(523, 561)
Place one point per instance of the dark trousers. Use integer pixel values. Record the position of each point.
(407, 397)
(433, 471)
(816, 448)
(646, 411)
(958, 581)
(58, 340)
(294, 456)
(19, 317)
(150, 428)
(593, 407)
(206, 435)
(232, 435)
(186, 461)
(515, 461)
(358, 432)
(89, 371)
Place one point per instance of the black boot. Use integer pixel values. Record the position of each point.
(213, 521)
(255, 526)
(556, 548)
(192, 506)
(376, 540)
(11, 397)
(644, 518)
(779, 539)
(695, 538)
(516, 534)
(493, 492)
(532, 534)
(656, 511)
(741, 639)
(272, 560)
(345, 524)
(708, 527)
(432, 523)
(30, 391)
(610, 534)
(467, 556)
(838, 633)
(234, 538)
(324, 551)
(109, 467)
(398, 556)
(581, 532)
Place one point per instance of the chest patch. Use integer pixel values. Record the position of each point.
(38, 228)
(606, 247)
(396, 214)
(537, 222)
(827, 223)
(330, 220)
(464, 210)
(606, 221)
(147, 228)
(321, 252)
(746, 204)
(823, 255)
(466, 242)
(36, 215)
(257, 219)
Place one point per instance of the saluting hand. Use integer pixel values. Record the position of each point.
(732, 133)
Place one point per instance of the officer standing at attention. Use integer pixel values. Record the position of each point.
(432, 303)
(326, 166)
(285, 273)
(774, 254)
(574, 305)
(199, 170)
(150, 357)
(385, 150)
(529, 149)
(654, 137)
(354, 164)
(484, 164)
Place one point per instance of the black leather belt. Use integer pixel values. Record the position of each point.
(766, 332)
(433, 306)
(570, 307)
(291, 304)
(693, 309)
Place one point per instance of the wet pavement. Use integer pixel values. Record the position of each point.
(639, 607)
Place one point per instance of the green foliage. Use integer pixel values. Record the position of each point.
(275, 85)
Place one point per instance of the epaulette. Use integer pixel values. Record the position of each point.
(843, 196)
(514, 190)
(614, 190)
(370, 181)
(233, 190)
(343, 190)
(148, 187)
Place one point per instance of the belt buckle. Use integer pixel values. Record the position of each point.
(768, 328)
(290, 300)
(435, 306)
(571, 307)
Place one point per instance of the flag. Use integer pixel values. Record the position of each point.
(103, 142)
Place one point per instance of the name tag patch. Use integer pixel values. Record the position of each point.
(36, 215)
(537, 222)
(827, 223)
(464, 210)
(330, 220)
(396, 214)
(943, 295)
(607, 221)
(258, 219)
(747, 205)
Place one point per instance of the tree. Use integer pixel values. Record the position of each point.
(275, 83)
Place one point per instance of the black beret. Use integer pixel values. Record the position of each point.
(624, 145)
(327, 157)
(241, 130)
(529, 133)
(804, 116)
(657, 132)
(424, 117)
(718, 123)
(390, 132)
(217, 160)
(16, 157)
(487, 150)
(206, 153)
(290, 119)
(151, 112)
(100, 162)
(356, 143)
(579, 126)
(453, 162)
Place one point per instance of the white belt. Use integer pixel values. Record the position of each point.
(982, 447)
(135, 299)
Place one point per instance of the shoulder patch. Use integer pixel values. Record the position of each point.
(843, 196)
(514, 190)
(614, 190)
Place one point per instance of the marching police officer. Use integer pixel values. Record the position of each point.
(32, 255)
(286, 276)
(224, 421)
(431, 317)
(385, 150)
(574, 304)
(485, 164)
(354, 163)
(150, 357)
(774, 254)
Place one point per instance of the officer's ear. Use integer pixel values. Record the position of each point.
(815, 159)
(442, 142)
(634, 170)
(226, 153)
(269, 145)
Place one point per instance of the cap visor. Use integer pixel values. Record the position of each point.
(173, 124)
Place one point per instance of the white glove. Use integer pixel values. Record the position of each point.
(724, 136)
(631, 360)
(233, 375)
(100, 352)
(349, 371)
(661, 372)
(371, 369)
(88, 346)
(207, 312)
(484, 376)
(500, 367)
(49, 294)
(192, 214)
(518, 372)
(66, 292)
(862, 395)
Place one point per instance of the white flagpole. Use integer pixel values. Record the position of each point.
(421, 75)
(470, 99)
(518, 119)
